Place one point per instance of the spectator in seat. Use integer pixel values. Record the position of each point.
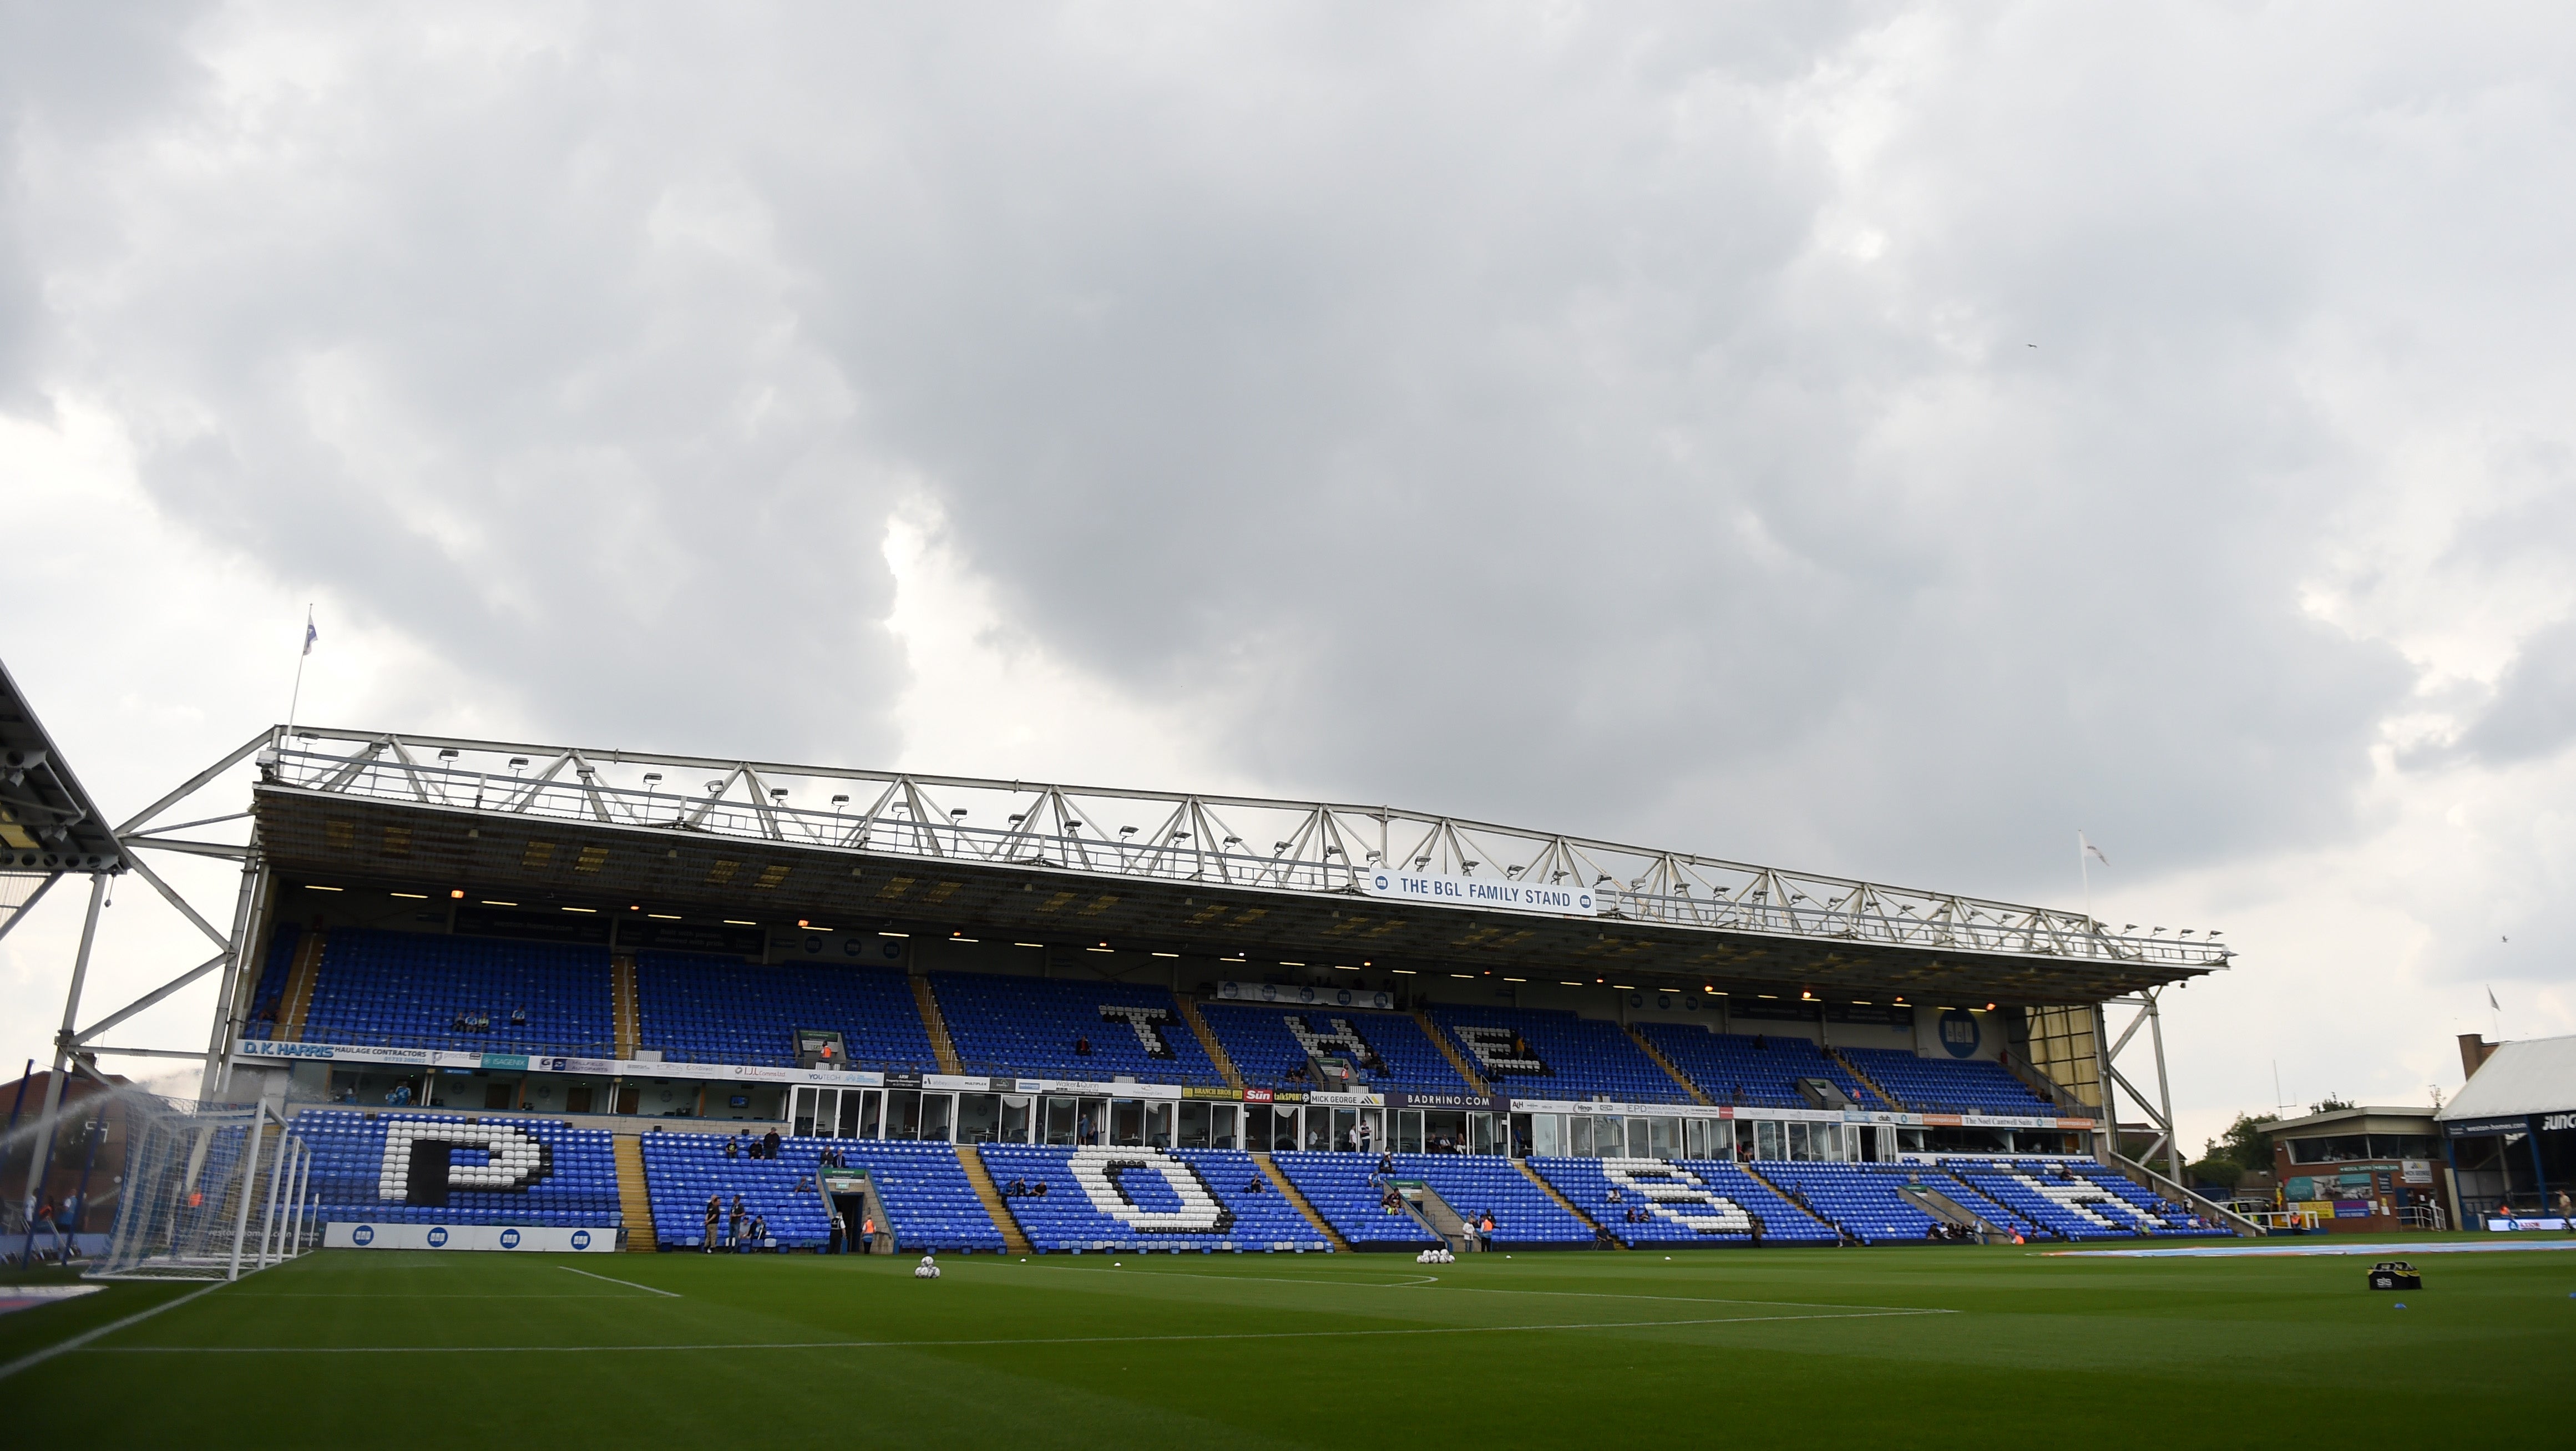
(759, 1232)
(1081, 1046)
(1038, 1190)
(733, 1146)
(1761, 1044)
(518, 1017)
(769, 1144)
(1253, 1185)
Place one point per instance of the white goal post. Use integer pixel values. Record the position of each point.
(209, 1192)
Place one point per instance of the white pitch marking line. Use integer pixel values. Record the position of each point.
(630, 1284)
(1416, 1283)
(37, 1358)
(970, 1344)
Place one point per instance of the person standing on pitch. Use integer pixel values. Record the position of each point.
(868, 1235)
(715, 1214)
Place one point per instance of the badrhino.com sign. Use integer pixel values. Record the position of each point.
(548, 1239)
(1483, 892)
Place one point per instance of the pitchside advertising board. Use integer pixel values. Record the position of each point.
(256, 1050)
(552, 1239)
(1493, 893)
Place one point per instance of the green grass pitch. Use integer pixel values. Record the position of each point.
(1904, 1346)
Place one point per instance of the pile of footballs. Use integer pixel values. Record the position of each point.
(1435, 1257)
(928, 1269)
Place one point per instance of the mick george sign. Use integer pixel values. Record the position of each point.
(1493, 893)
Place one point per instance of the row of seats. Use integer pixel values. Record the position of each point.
(1038, 1027)
(1933, 1085)
(2075, 1201)
(356, 1175)
(1347, 1190)
(1685, 1201)
(1141, 1200)
(929, 1202)
(1867, 1201)
(408, 988)
(1567, 1056)
(1475, 1185)
(1269, 1044)
(703, 1009)
(1754, 1069)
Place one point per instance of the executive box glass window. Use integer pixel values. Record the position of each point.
(2356, 1148)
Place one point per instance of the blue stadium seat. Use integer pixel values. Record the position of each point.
(406, 988)
(1146, 1200)
(1683, 1202)
(1478, 1184)
(268, 997)
(1346, 1190)
(349, 1178)
(706, 1009)
(1263, 1042)
(929, 1202)
(1949, 1085)
(1760, 1070)
(1028, 1027)
(1572, 1057)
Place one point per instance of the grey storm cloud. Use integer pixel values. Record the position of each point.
(1624, 420)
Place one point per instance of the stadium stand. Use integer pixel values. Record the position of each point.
(1761, 1071)
(410, 988)
(2171, 1218)
(1866, 1200)
(1264, 1043)
(522, 1171)
(265, 999)
(1347, 1190)
(1682, 1202)
(1475, 1184)
(929, 1202)
(2061, 1202)
(1945, 1085)
(1140, 1200)
(704, 1009)
(1029, 1027)
(1569, 1056)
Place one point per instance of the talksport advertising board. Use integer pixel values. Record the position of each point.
(551, 1239)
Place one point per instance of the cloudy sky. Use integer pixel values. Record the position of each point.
(1872, 439)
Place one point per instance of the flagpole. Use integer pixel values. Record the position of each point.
(297, 699)
(2086, 869)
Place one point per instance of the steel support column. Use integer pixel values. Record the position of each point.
(64, 1042)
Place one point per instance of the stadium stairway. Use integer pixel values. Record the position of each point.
(941, 1047)
(1853, 1068)
(1786, 1197)
(1457, 1060)
(1562, 1202)
(1651, 1051)
(1207, 1039)
(1013, 1238)
(621, 1003)
(634, 1196)
(299, 986)
(1331, 1235)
